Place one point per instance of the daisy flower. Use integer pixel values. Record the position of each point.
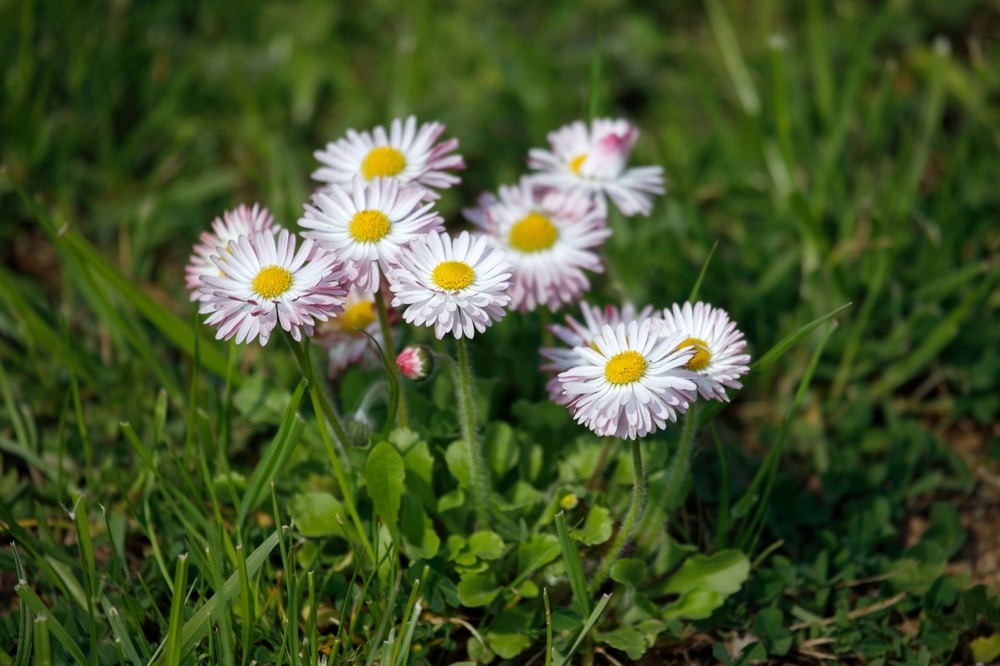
(593, 160)
(632, 380)
(458, 286)
(265, 282)
(718, 360)
(370, 224)
(404, 152)
(416, 362)
(550, 238)
(344, 337)
(576, 334)
(240, 221)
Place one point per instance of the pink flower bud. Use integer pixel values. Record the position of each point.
(416, 362)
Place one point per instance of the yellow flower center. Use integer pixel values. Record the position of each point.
(701, 356)
(453, 275)
(533, 233)
(358, 316)
(625, 368)
(577, 162)
(382, 161)
(272, 281)
(368, 226)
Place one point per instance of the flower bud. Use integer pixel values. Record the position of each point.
(416, 362)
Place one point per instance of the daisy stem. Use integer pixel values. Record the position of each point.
(390, 354)
(467, 421)
(635, 508)
(606, 445)
(679, 466)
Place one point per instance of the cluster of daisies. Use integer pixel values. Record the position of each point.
(625, 373)
(370, 233)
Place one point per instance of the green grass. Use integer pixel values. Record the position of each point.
(821, 155)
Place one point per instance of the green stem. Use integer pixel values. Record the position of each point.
(467, 421)
(390, 353)
(681, 463)
(595, 476)
(628, 525)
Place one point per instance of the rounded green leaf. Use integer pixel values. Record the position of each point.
(384, 476)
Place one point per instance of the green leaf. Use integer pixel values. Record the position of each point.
(317, 514)
(628, 572)
(510, 633)
(627, 639)
(384, 476)
(985, 649)
(485, 545)
(596, 528)
(696, 604)
(451, 500)
(725, 572)
(537, 551)
(417, 530)
(769, 626)
(260, 401)
(456, 457)
(477, 589)
(500, 448)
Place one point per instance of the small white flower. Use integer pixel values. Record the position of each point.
(266, 283)
(576, 334)
(718, 360)
(593, 159)
(369, 225)
(551, 238)
(404, 152)
(457, 286)
(631, 382)
(240, 221)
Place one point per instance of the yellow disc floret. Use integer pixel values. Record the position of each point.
(577, 162)
(453, 275)
(382, 161)
(358, 316)
(272, 281)
(368, 226)
(533, 233)
(625, 367)
(701, 357)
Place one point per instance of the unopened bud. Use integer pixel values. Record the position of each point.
(416, 362)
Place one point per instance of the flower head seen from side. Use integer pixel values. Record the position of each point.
(240, 221)
(551, 237)
(718, 361)
(458, 286)
(593, 159)
(631, 381)
(346, 337)
(581, 334)
(404, 152)
(369, 224)
(266, 282)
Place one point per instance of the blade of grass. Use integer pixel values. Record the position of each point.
(573, 564)
(595, 615)
(175, 629)
(736, 67)
(121, 633)
(52, 625)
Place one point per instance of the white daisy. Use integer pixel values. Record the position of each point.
(458, 286)
(593, 159)
(240, 221)
(404, 152)
(369, 225)
(550, 237)
(346, 337)
(631, 382)
(718, 360)
(576, 334)
(266, 282)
